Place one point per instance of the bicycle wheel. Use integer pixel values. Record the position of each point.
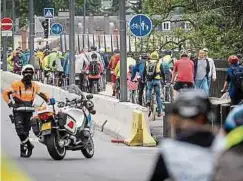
(154, 108)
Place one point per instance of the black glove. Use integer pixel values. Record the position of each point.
(10, 105)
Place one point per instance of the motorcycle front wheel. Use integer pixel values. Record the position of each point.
(88, 150)
(55, 151)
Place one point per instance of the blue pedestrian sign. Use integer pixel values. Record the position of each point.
(49, 12)
(56, 29)
(140, 25)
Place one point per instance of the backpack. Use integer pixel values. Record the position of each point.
(151, 70)
(94, 68)
(237, 77)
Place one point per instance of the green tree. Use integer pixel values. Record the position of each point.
(217, 25)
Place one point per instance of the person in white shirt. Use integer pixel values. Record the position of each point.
(212, 72)
(80, 64)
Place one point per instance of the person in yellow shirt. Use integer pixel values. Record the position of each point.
(154, 73)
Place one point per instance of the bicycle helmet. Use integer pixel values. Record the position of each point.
(191, 103)
(234, 119)
(168, 52)
(145, 56)
(93, 48)
(154, 56)
(233, 59)
(102, 50)
(129, 54)
(116, 51)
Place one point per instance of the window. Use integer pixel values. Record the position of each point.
(166, 26)
(187, 25)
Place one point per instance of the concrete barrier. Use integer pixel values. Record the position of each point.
(113, 116)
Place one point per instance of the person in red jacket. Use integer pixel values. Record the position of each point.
(94, 70)
(112, 65)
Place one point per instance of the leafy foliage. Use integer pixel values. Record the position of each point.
(217, 24)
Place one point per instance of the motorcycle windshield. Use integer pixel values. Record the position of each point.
(74, 89)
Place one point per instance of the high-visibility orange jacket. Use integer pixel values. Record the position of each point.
(21, 95)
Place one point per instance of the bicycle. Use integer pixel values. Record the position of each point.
(133, 96)
(118, 88)
(168, 92)
(153, 109)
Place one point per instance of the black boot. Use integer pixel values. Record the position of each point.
(30, 148)
(26, 150)
(23, 150)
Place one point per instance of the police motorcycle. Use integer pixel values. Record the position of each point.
(66, 127)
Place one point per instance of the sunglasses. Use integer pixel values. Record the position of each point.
(28, 73)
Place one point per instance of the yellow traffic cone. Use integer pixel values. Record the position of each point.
(139, 133)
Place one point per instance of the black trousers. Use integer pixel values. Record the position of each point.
(141, 86)
(22, 124)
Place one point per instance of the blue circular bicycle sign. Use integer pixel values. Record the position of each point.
(56, 29)
(140, 25)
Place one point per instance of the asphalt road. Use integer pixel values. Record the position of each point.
(112, 162)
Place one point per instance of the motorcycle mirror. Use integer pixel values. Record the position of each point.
(90, 96)
(52, 101)
(93, 112)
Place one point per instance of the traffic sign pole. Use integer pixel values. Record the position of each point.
(72, 42)
(4, 65)
(32, 31)
(123, 49)
(49, 25)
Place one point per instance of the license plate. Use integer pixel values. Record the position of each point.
(46, 126)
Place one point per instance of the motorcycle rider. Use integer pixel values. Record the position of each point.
(22, 94)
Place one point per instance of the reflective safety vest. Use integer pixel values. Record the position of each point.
(21, 94)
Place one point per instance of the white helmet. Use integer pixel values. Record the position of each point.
(102, 50)
(28, 66)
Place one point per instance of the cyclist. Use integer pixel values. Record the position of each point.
(234, 80)
(194, 141)
(183, 73)
(167, 63)
(112, 65)
(139, 68)
(94, 70)
(154, 72)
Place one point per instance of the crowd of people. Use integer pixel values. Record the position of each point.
(146, 74)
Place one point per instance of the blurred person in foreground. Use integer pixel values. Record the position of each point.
(230, 164)
(188, 157)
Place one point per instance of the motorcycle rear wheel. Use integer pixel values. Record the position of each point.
(55, 151)
(88, 150)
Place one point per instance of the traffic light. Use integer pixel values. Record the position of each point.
(46, 27)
